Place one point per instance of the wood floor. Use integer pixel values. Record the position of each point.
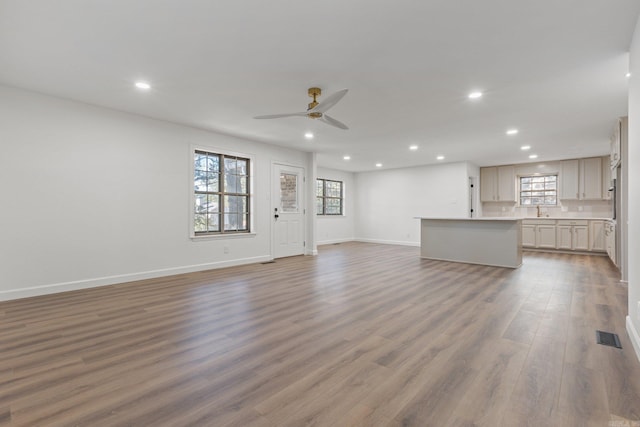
(361, 335)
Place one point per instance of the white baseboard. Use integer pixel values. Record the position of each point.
(387, 242)
(54, 288)
(633, 336)
(334, 241)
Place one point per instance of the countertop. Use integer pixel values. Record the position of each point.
(569, 218)
(484, 218)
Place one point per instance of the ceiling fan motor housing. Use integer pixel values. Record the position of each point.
(313, 93)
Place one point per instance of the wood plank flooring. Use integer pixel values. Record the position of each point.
(361, 335)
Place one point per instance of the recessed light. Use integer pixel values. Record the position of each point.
(143, 85)
(308, 135)
(475, 95)
(440, 157)
(347, 157)
(413, 147)
(378, 165)
(512, 131)
(533, 156)
(525, 147)
(627, 75)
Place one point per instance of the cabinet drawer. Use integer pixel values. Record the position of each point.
(538, 221)
(573, 222)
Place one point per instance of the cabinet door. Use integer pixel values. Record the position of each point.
(564, 239)
(615, 146)
(580, 239)
(569, 179)
(591, 179)
(606, 179)
(528, 236)
(596, 236)
(506, 183)
(488, 184)
(547, 236)
(610, 237)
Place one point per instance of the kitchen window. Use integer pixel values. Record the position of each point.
(329, 197)
(221, 194)
(539, 190)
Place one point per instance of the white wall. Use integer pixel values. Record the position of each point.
(633, 241)
(333, 228)
(388, 201)
(92, 196)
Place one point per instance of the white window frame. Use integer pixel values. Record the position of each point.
(519, 189)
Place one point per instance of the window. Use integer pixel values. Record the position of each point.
(329, 197)
(539, 190)
(221, 194)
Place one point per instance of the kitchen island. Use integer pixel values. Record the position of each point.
(488, 241)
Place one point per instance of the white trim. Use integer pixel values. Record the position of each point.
(387, 242)
(239, 235)
(334, 241)
(123, 278)
(633, 336)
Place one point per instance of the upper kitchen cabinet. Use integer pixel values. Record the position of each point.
(581, 179)
(606, 179)
(614, 160)
(498, 184)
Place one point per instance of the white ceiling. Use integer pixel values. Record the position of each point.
(554, 69)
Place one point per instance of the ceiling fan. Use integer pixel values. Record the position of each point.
(317, 109)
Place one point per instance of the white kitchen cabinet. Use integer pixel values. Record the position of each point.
(572, 235)
(539, 233)
(606, 179)
(528, 235)
(581, 179)
(498, 184)
(597, 241)
(546, 236)
(610, 240)
(614, 159)
(507, 183)
(570, 179)
(591, 178)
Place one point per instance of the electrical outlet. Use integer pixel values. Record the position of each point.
(226, 249)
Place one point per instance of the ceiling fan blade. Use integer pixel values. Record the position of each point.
(330, 101)
(333, 122)
(277, 116)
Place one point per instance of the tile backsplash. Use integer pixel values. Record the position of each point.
(568, 209)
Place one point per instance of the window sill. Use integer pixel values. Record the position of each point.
(223, 236)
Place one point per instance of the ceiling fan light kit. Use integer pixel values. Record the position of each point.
(316, 110)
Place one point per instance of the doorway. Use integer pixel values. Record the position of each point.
(287, 210)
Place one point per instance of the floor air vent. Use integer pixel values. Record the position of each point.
(268, 262)
(608, 338)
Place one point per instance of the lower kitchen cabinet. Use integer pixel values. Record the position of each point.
(596, 236)
(610, 240)
(572, 235)
(563, 234)
(539, 233)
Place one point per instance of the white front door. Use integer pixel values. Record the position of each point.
(288, 211)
